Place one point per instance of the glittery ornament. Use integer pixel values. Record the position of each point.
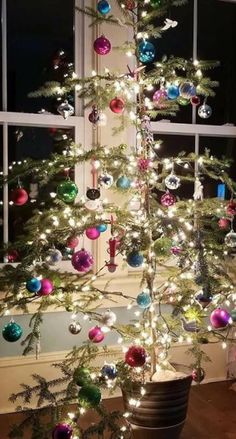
(108, 318)
(130, 5)
(33, 285)
(105, 180)
(176, 251)
(146, 52)
(223, 223)
(168, 199)
(47, 287)
(204, 111)
(117, 105)
(172, 181)
(187, 90)
(135, 356)
(103, 7)
(82, 261)
(65, 110)
(93, 194)
(173, 92)
(123, 182)
(75, 328)
(198, 375)
(67, 191)
(109, 371)
(92, 233)
(219, 318)
(96, 335)
(72, 242)
(19, 196)
(54, 256)
(144, 164)
(62, 431)
(89, 396)
(12, 332)
(144, 300)
(182, 101)
(102, 228)
(195, 100)
(230, 239)
(159, 98)
(231, 208)
(102, 45)
(135, 259)
(82, 376)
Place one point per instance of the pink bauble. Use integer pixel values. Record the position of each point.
(117, 105)
(219, 318)
(159, 98)
(168, 199)
(231, 208)
(176, 250)
(96, 335)
(92, 233)
(72, 242)
(144, 164)
(46, 287)
(102, 45)
(82, 261)
(223, 223)
(19, 196)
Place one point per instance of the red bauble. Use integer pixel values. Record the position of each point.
(19, 196)
(231, 208)
(195, 100)
(198, 375)
(223, 223)
(117, 105)
(136, 356)
(72, 242)
(130, 5)
(12, 256)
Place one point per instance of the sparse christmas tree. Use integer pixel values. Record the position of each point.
(155, 230)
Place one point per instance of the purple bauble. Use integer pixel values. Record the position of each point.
(176, 250)
(219, 318)
(168, 199)
(46, 287)
(62, 431)
(92, 233)
(159, 98)
(82, 261)
(102, 45)
(96, 335)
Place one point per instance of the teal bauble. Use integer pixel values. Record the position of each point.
(82, 376)
(12, 332)
(233, 315)
(67, 191)
(173, 92)
(102, 228)
(103, 7)
(33, 285)
(123, 182)
(89, 396)
(144, 300)
(146, 52)
(135, 259)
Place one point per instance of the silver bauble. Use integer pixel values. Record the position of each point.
(109, 318)
(230, 239)
(65, 109)
(172, 181)
(105, 180)
(75, 328)
(102, 120)
(187, 90)
(204, 111)
(54, 256)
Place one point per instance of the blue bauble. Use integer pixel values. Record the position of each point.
(144, 300)
(12, 332)
(146, 52)
(33, 285)
(109, 371)
(135, 259)
(103, 7)
(173, 92)
(101, 228)
(187, 90)
(123, 182)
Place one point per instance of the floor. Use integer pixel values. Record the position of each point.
(212, 413)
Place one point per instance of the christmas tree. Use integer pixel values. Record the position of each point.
(179, 245)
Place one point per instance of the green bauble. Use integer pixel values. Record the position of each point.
(12, 332)
(233, 315)
(162, 247)
(82, 376)
(183, 101)
(67, 191)
(89, 396)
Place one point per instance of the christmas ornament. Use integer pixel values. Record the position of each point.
(195, 100)
(135, 356)
(187, 90)
(96, 335)
(117, 105)
(93, 193)
(134, 204)
(157, 3)
(82, 261)
(168, 24)
(82, 376)
(159, 98)
(89, 396)
(102, 45)
(204, 299)
(113, 245)
(221, 190)
(168, 199)
(54, 256)
(135, 259)
(75, 328)
(231, 208)
(108, 318)
(146, 52)
(109, 371)
(233, 315)
(130, 5)
(219, 318)
(223, 223)
(103, 7)
(172, 181)
(19, 196)
(176, 251)
(33, 285)
(67, 191)
(105, 180)
(144, 300)
(65, 110)
(94, 115)
(93, 205)
(230, 239)
(204, 111)
(62, 431)
(123, 182)
(72, 242)
(102, 228)
(47, 287)
(182, 101)
(143, 164)
(92, 233)
(34, 191)
(12, 256)
(173, 92)
(12, 332)
(162, 246)
(198, 375)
